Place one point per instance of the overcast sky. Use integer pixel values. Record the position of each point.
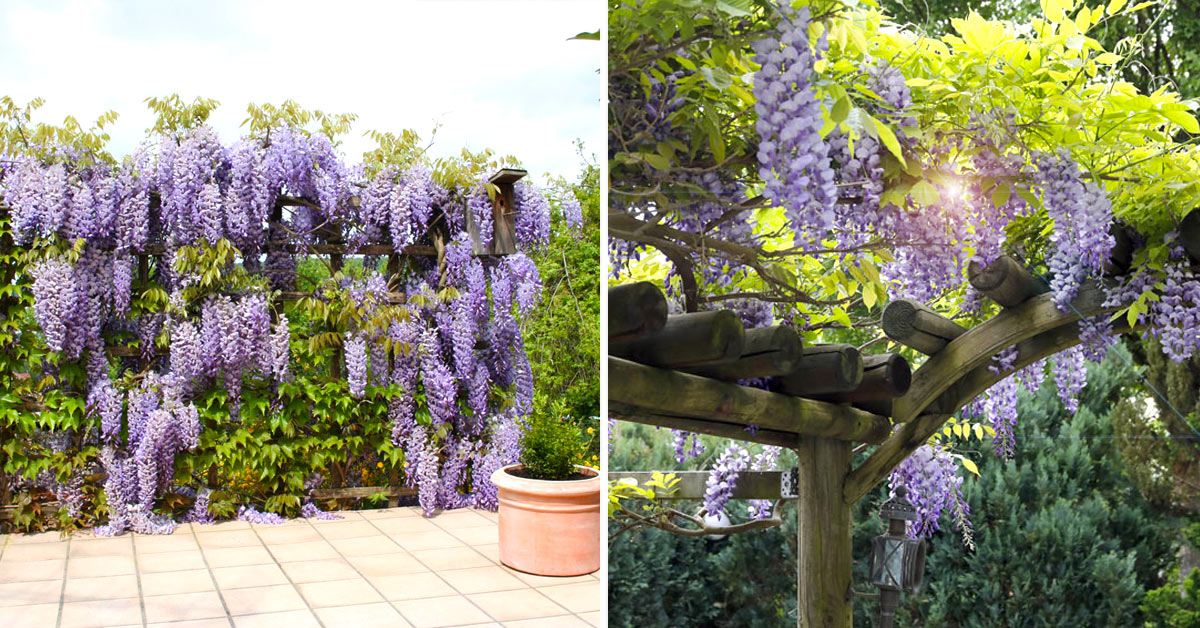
(494, 74)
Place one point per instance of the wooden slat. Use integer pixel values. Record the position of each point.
(687, 340)
(917, 327)
(736, 431)
(1005, 281)
(635, 309)
(822, 369)
(750, 484)
(766, 351)
(362, 491)
(662, 391)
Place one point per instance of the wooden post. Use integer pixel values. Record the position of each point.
(823, 535)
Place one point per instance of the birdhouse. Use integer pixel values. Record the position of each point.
(504, 216)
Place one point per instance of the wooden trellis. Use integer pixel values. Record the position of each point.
(433, 246)
(681, 372)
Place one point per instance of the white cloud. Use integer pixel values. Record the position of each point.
(493, 74)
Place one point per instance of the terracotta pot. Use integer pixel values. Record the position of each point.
(549, 528)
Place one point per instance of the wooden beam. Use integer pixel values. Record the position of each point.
(767, 351)
(885, 376)
(362, 491)
(1005, 281)
(822, 369)
(635, 309)
(1037, 329)
(917, 327)
(736, 431)
(661, 391)
(692, 484)
(687, 340)
(978, 346)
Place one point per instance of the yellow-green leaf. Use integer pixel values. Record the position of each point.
(924, 193)
(1185, 120)
(970, 465)
(889, 140)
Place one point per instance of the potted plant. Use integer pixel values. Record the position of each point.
(550, 506)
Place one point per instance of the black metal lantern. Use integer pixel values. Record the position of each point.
(897, 561)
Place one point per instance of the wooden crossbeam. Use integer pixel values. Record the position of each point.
(635, 309)
(735, 431)
(766, 351)
(692, 484)
(822, 369)
(960, 372)
(687, 340)
(1005, 281)
(660, 391)
(915, 326)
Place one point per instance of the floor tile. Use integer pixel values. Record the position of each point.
(38, 616)
(387, 564)
(581, 597)
(396, 525)
(342, 516)
(223, 526)
(480, 535)
(297, 534)
(183, 606)
(295, 552)
(100, 548)
(35, 551)
(548, 581)
(97, 567)
(290, 619)
(22, 593)
(103, 588)
(258, 600)
(430, 539)
(454, 610)
(154, 544)
(222, 622)
(233, 538)
(492, 552)
(347, 530)
(248, 576)
(366, 546)
(319, 570)
(519, 604)
(102, 613)
(380, 614)
(237, 556)
(169, 561)
(383, 513)
(412, 586)
(595, 618)
(37, 537)
(562, 621)
(167, 583)
(339, 593)
(481, 579)
(457, 519)
(451, 558)
(14, 571)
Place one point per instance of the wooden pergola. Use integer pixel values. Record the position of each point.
(432, 245)
(681, 372)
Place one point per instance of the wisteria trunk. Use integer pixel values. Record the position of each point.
(823, 535)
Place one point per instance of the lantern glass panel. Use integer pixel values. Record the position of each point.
(887, 562)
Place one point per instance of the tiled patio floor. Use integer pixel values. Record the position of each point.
(374, 568)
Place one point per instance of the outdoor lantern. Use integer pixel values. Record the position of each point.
(897, 561)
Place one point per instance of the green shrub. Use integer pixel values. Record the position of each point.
(551, 446)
